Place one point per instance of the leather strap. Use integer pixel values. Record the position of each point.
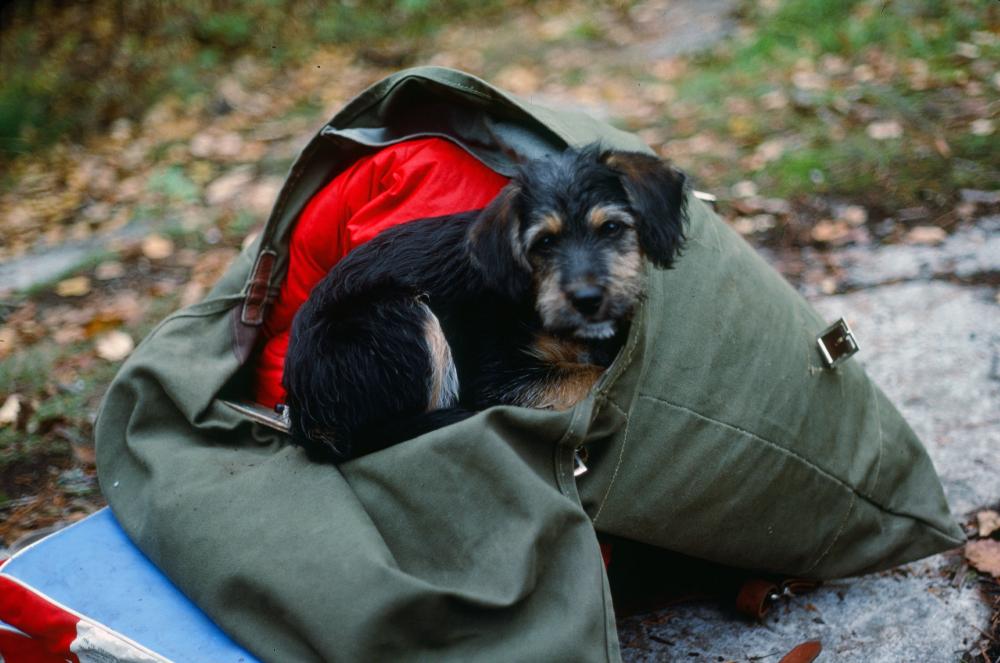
(258, 288)
(755, 597)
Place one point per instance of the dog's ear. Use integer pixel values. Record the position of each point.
(656, 194)
(494, 244)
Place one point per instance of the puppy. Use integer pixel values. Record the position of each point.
(523, 303)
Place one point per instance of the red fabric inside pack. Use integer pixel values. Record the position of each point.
(412, 180)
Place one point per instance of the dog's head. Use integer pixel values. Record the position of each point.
(572, 230)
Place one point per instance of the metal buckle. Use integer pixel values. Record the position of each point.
(709, 198)
(837, 343)
(276, 419)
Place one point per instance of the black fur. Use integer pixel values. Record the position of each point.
(358, 363)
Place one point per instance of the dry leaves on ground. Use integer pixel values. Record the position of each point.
(114, 346)
(984, 556)
(988, 522)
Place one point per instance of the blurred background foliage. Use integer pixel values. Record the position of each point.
(74, 67)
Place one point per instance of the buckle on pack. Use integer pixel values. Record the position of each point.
(837, 343)
(709, 198)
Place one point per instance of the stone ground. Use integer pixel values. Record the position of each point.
(928, 324)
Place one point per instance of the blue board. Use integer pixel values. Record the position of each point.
(92, 568)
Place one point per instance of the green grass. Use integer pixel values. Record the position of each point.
(830, 124)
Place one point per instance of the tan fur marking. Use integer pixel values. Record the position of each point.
(574, 377)
(632, 166)
(550, 300)
(441, 360)
(597, 217)
(570, 388)
(556, 351)
(551, 223)
(547, 224)
(624, 270)
(601, 214)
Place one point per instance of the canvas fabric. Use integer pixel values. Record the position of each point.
(717, 433)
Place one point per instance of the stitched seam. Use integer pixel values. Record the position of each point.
(614, 475)
(621, 452)
(836, 537)
(769, 443)
(805, 461)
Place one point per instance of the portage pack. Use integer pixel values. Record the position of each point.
(719, 432)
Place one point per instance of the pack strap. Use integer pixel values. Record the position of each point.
(258, 289)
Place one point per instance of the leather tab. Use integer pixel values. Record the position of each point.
(755, 597)
(257, 289)
(804, 653)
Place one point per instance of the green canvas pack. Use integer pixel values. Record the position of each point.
(476, 541)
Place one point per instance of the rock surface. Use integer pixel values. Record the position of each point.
(933, 345)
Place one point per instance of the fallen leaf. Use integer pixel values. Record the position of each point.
(863, 73)
(114, 346)
(927, 235)
(774, 100)
(261, 196)
(216, 145)
(157, 247)
(67, 335)
(101, 323)
(810, 80)
(830, 232)
(988, 522)
(834, 65)
(984, 555)
(518, 79)
(967, 50)
(10, 410)
(192, 293)
(942, 147)
(744, 189)
(77, 286)
(885, 130)
(224, 188)
(747, 225)
(109, 269)
(982, 127)
(8, 340)
(854, 215)
(985, 38)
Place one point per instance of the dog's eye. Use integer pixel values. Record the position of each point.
(611, 229)
(544, 243)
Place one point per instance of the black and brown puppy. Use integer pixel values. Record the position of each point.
(523, 303)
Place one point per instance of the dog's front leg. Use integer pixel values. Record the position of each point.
(550, 373)
(564, 386)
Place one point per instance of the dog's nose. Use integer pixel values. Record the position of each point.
(587, 299)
